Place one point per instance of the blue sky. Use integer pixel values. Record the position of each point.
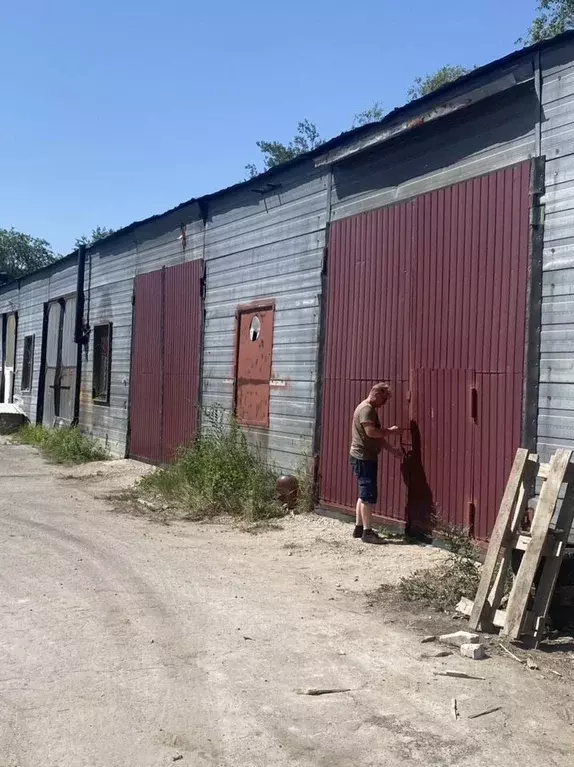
(114, 111)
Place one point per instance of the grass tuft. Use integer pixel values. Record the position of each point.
(66, 445)
(443, 586)
(219, 474)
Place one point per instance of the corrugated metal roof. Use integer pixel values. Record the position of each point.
(339, 140)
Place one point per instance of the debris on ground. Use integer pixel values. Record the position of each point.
(177, 758)
(473, 651)
(458, 675)
(458, 638)
(426, 640)
(532, 665)
(322, 690)
(512, 655)
(484, 713)
(455, 713)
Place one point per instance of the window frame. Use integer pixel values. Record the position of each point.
(102, 399)
(28, 388)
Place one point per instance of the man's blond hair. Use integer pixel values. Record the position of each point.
(381, 388)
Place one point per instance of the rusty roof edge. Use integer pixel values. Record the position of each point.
(441, 108)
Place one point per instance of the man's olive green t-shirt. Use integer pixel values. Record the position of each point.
(363, 447)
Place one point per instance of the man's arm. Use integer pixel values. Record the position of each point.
(375, 432)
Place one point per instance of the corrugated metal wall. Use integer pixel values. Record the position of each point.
(556, 394)
(28, 297)
(268, 244)
(430, 295)
(490, 135)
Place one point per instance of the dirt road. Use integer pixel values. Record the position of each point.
(128, 643)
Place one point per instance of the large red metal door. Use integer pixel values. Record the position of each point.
(470, 267)
(430, 295)
(366, 341)
(165, 361)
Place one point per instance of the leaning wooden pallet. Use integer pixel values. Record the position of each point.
(541, 542)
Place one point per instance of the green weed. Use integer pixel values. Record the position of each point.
(66, 445)
(457, 576)
(220, 473)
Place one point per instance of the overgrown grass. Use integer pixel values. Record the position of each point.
(457, 576)
(65, 445)
(218, 474)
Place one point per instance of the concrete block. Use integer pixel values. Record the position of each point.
(459, 638)
(474, 651)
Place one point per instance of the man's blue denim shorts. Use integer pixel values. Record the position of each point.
(366, 473)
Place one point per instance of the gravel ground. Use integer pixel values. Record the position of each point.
(129, 642)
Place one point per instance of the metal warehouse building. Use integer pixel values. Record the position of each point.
(434, 249)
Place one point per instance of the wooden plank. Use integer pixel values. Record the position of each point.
(499, 583)
(550, 549)
(499, 534)
(520, 593)
(547, 584)
(544, 469)
(465, 607)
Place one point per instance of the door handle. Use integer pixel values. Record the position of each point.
(473, 404)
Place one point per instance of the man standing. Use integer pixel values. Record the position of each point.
(367, 442)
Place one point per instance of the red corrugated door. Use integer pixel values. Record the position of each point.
(367, 334)
(470, 268)
(431, 296)
(182, 356)
(146, 399)
(166, 361)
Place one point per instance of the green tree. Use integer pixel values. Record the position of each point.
(371, 115)
(554, 17)
(274, 152)
(422, 86)
(97, 234)
(21, 253)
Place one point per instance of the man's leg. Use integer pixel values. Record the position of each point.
(358, 531)
(366, 514)
(369, 495)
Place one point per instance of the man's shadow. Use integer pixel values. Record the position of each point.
(420, 508)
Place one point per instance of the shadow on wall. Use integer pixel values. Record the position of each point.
(420, 507)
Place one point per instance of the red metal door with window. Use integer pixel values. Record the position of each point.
(254, 363)
(166, 358)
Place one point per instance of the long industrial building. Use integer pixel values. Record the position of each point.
(433, 249)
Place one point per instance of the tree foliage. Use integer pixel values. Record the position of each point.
(97, 234)
(554, 17)
(21, 253)
(274, 152)
(422, 86)
(371, 115)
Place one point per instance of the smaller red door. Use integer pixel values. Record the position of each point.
(165, 361)
(254, 363)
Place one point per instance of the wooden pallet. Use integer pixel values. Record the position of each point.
(541, 541)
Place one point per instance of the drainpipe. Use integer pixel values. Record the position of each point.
(79, 336)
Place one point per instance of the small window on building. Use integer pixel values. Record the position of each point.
(27, 363)
(102, 363)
